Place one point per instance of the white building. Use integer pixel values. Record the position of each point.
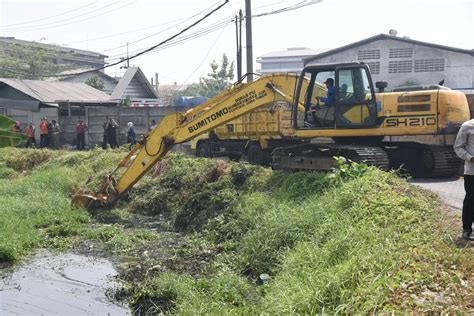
(398, 60)
(290, 60)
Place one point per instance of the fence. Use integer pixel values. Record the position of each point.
(94, 117)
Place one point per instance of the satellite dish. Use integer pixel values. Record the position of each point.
(393, 32)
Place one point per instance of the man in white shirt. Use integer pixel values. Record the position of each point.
(464, 148)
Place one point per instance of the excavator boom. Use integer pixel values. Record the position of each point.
(177, 128)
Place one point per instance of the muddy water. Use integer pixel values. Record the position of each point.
(64, 284)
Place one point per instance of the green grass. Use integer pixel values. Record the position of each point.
(345, 242)
(35, 210)
(35, 202)
(241, 239)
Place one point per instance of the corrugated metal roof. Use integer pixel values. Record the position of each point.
(52, 92)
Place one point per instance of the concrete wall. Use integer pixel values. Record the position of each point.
(29, 116)
(94, 117)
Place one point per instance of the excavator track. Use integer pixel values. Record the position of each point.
(320, 156)
(427, 161)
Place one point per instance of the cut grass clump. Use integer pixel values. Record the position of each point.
(7, 172)
(172, 293)
(24, 160)
(193, 191)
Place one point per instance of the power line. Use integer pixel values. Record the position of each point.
(191, 36)
(207, 54)
(142, 52)
(278, 11)
(169, 42)
(37, 27)
(159, 32)
(144, 28)
(50, 17)
(289, 8)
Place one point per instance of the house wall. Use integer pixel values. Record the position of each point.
(136, 90)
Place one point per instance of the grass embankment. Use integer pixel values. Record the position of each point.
(244, 239)
(35, 201)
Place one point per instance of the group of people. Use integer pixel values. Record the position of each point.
(49, 134)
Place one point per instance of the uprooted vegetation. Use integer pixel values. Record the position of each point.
(208, 236)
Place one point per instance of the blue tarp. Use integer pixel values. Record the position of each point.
(190, 101)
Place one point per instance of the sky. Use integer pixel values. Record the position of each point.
(106, 26)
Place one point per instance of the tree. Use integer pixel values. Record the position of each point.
(214, 83)
(30, 62)
(95, 82)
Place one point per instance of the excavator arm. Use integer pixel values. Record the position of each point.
(177, 128)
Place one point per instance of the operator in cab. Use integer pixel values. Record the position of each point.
(331, 93)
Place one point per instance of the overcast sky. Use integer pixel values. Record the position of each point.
(106, 26)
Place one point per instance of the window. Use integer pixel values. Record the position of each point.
(368, 54)
(400, 66)
(429, 65)
(374, 67)
(353, 84)
(401, 53)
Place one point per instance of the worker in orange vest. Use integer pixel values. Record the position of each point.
(44, 132)
(30, 133)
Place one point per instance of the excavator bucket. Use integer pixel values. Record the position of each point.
(105, 197)
(89, 201)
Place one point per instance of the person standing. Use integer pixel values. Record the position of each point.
(104, 140)
(81, 130)
(131, 135)
(44, 132)
(55, 129)
(111, 131)
(464, 148)
(30, 133)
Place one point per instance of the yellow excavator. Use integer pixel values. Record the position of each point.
(356, 119)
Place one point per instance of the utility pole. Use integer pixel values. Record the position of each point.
(128, 61)
(238, 32)
(248, 37)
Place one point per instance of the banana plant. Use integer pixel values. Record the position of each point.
(7, 136)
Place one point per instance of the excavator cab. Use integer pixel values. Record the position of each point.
(349, 97)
